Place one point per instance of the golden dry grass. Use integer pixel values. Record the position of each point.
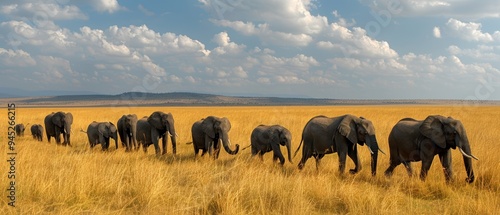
(74, 180)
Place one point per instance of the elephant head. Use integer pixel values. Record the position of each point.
(106, 131)
(217, 128)
(449, 133)
(127, 129)
(360, 130)
(164, 123)
(282, 136)
(63, 122)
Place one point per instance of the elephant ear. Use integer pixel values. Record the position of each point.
(432, 128)
(347, 128)
(103, 129)
(155, 119)
(225, 124)
(207, 125)
(272, 135)
(69, 118)
(56, 119)
(170, 122)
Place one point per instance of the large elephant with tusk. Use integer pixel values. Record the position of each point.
(151, 129)
(324, 135)
(420, 140)
(208, 133)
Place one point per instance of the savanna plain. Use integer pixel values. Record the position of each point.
(54, 179)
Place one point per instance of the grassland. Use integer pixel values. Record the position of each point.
(76, 180)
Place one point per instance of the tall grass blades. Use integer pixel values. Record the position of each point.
(53, 179)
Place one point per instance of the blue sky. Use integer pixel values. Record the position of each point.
(346, 49)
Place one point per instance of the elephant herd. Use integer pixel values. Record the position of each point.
(410, 140)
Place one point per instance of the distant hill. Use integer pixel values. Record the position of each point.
(198, 99)
(8, 92)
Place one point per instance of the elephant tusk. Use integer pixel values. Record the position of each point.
(381, 151)
(370, 150)
(466, 155)
(170, 134)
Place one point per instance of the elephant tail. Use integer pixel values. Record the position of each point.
(246, 147)
(189, 143)
(295, 154)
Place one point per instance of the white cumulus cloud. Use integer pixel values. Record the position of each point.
(109, 6)
(470, 31)
(436, 32)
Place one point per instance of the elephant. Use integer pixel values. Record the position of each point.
(37, 132)
(100, 133)
(413, 140)
(266, 138)
(57, 124)
(207, 133)
(127, 129)
(151, 129)
(19, 128)
(324, 135)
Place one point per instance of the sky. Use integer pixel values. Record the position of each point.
(343, 49)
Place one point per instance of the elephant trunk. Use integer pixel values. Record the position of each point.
(289, 150)
(133, 135)
(226, 143)
(464, 147)
(173, 138)
(373, 146)
(115, 137)
(66, 134)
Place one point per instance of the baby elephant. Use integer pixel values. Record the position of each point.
(266, 138)
(20, 129)
(37, 132)
(100, 132)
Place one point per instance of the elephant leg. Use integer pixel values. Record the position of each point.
(277, 153)
(126, 144)
(445, 159)
(426, 165)
(208, 146)
(342, 158)
(145, 148)
(261, 155)
(58, 137)
(352, 152)
(318, 160)
(164, 144)
(393, 164)
(306, 154)
(281, 158)
(408, 167)
(155, 140)
(341, 144)
(216, 149)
